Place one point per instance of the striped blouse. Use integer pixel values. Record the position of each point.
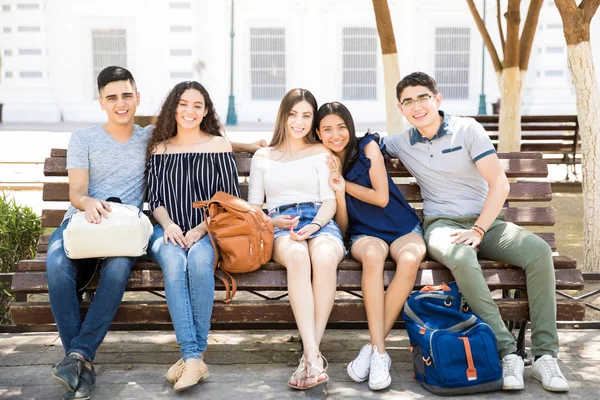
(176, 180)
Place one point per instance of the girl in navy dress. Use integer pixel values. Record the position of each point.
(379, 222)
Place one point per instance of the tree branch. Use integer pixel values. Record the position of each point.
(499, 19)
(486, 36)
(513, 23)
(528, 33)
(589, 8)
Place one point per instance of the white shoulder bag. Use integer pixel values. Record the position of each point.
(124, 233)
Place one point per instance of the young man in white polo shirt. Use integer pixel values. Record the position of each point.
(464, 187)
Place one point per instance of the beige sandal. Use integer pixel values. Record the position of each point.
(296, 375)
(312, 372)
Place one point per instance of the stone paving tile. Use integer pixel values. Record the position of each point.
(255, 365)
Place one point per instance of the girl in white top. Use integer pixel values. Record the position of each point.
(293, 174)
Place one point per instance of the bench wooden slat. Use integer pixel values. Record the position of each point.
(524, 216)
(514, 168)
(346, 310)
(265, 279)
(560, 262)
(519, 191)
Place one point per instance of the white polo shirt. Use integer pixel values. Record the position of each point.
(444, 166)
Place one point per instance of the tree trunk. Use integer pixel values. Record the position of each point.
(509, 129)
(391, 67)
(581, 64)
(391, 75)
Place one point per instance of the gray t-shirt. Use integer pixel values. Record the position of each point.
(115, 169)
(444, 166)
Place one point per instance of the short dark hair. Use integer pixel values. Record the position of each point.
(416, 79)
(113, 74)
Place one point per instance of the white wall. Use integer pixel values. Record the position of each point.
(66, 88)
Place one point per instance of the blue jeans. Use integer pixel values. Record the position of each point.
(189, 288)
(61, 273)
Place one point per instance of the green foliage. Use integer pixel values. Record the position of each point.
(20, 229)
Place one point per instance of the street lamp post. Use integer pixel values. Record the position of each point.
(231, 115)
(482, 108)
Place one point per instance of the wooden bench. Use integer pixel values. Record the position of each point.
(556, 136)
(272, 309)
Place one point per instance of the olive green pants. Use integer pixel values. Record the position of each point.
(511, 244)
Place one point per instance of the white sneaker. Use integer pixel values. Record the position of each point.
(512, 371)
(379, 375)
(358, 369)
(547, 371)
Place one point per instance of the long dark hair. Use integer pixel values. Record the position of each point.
(166, 123)
(340, 110)
(288, 102)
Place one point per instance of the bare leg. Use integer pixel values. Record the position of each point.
(407, 251)
(372, 252)
(294, 257)
(325, 255)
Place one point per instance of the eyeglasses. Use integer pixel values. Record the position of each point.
(423, 100)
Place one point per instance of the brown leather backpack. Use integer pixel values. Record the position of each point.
(244, 236)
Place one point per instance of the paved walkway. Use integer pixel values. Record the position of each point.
(255, 365)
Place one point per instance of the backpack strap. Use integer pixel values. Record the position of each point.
(228, 281)
(471, 371)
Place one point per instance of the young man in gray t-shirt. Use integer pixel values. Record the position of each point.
(464, 187)
(103, 161)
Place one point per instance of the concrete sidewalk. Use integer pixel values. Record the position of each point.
(255, 365)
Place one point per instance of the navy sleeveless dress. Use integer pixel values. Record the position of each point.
(396, 219)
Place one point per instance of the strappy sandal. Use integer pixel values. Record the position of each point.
(321, 373)
(297, 375)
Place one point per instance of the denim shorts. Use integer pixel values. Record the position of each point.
(417, 229)
(307, 212)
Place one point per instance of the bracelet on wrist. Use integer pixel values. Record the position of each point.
(478, 227)
(314, 223)
(478, 230)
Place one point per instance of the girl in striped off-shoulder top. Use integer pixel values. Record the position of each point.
(188, 160)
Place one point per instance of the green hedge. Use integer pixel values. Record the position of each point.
(20, 229)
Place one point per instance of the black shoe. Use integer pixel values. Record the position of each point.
(87, 381)
(68, 370)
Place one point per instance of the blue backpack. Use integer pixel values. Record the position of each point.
(453, 350)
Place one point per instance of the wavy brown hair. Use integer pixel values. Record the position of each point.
(290, 99)
(166, 123)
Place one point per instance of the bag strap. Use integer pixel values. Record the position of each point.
(471, 371)
(230, 288)
(443, 287)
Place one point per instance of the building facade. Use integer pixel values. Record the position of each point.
(52, 51)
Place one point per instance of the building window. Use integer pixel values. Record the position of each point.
(109, 47)
(554, 73)
(6, 7)
(181, 75)
(8, 74)
(267, 63)
(7, 52)
(29, 29)
(28, 6)
(30, 52)
(30, 74)
(6, 29)
(180, 5)
(181, 52)
(180, 28)
(452, 62)
(555, 49)
(359, 63)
